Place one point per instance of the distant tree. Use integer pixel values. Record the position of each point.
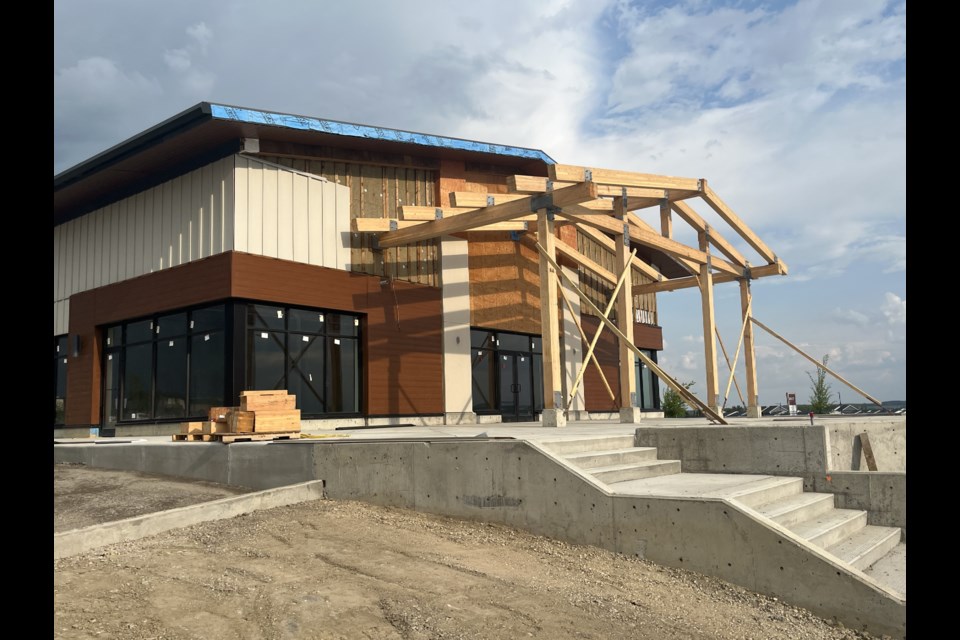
(673, 404)
(820, 389)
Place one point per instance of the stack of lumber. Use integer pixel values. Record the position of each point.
(261, 415)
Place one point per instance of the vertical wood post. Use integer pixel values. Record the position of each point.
(553, 410)
(629, 411)
(749, 354)
(709, 324)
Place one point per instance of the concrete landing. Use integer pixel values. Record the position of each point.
(694, 485)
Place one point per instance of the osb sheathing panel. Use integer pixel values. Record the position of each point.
(504, 283)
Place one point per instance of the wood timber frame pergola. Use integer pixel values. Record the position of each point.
(601, 203)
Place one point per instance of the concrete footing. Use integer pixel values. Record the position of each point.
(630, 415)
(465, 417)
(553, 418)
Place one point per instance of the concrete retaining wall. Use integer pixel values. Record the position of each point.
(888, 439)
(517, 484)
(810, 452)
(882, 495)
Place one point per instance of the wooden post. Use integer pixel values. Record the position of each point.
(629, 411)
(749, 354)
(654, 367)
(666, 220)
(709, 324)
(553, 415)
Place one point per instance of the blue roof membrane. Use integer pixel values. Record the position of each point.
(376, 133)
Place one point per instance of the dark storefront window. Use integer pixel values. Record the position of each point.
(59, 379)
(312, 353)
(168, 367)
(648, 393)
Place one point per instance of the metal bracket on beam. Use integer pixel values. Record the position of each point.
(558, 400)
(393, 225)
(374, 242)
(491, 201)
(515, 236)
(438, 214)
(551, 213)
(666, 195)
(541, 202)
(588, 175)
(626, 234)
(549, 185)
(699, 184)
(623, 194)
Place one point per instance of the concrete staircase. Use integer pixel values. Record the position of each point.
(843, 533)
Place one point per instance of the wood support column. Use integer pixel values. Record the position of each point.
(629, 411)
(709, 324)
(749, 353)
(553, 410)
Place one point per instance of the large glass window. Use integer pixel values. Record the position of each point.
(168, 367)
(648, 396)
(59, 379)
(312, 353)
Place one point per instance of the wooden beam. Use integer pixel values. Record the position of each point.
(628, 382)
(596, 337)
(666, 220)
(867, 451)
(657, 371)
(819, 364)
(477, 200)
(497, 213)
(608, 244)
(582, 260)
(717, 263)
(538, 184)
(749, 353)
(694, 220)
(571, 173)
(725, 212)
(583, 337)
(426, 214)
(382, 225)
(549, 318)
(674, 284)
(709, 327)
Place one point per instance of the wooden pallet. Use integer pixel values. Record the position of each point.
(234, 437)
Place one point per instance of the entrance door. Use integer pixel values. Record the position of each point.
(516, 386)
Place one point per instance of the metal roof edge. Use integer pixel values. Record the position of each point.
(253, 116)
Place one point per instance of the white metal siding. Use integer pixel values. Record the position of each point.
(288, 214)
(149, 231)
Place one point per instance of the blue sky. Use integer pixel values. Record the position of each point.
(795, 112)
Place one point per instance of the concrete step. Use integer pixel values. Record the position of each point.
(582, 445)
(766, 490)
(830, 527)
(594, 459)
(796, 508)
(635, 470)
(866, 546)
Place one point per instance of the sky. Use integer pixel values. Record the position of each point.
(795, 113)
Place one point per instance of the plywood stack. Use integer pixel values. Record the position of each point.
(262, 415)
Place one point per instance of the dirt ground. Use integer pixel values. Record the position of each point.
(334, 569)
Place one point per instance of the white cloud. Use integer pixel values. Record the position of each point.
(850, 316)
(894, 309)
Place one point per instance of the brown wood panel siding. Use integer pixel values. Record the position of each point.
(504, 283)
(402, 335)
(193, 283)
(595, 394)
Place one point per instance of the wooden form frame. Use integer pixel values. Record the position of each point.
(601, 203)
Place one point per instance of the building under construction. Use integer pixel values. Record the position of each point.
(377, 275)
